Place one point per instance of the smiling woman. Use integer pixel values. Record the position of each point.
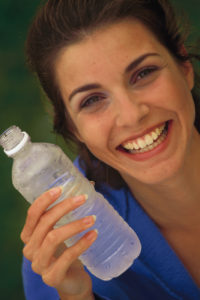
(123, 89)
(140, 87)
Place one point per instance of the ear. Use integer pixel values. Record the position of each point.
(187, 69)
(189, 74)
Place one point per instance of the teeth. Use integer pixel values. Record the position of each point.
(129, 146)
(152, 146)
(149, 138)
(135, 146)
(141, 143)
(154, 136)
(145, 141)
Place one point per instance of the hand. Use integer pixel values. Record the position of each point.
(59, 266)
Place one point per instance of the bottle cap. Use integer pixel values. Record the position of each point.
(19, 146)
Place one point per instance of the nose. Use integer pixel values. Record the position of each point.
(130, 111)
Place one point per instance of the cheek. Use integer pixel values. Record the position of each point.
(184, 103)
(92, 132)
(174, 94)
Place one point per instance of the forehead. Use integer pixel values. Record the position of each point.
(105, 49)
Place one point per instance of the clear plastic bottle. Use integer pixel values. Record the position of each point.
(38, 167)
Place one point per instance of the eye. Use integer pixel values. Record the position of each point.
(91, 101)
(143, 74)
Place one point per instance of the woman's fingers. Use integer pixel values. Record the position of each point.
(36, 210)
(56, 237)
(48, 220)
(57, 270)
(42, 239)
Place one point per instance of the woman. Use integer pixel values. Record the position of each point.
(122, 86)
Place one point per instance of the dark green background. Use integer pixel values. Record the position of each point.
(22, 103)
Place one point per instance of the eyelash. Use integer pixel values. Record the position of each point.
(89, 101)
(149, 70)
(92, 99)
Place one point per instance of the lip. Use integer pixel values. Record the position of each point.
(157, 150)
(140, 135)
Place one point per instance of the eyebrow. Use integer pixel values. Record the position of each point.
(138, 60)
(129, 68)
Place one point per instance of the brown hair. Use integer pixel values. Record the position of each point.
(60, 23)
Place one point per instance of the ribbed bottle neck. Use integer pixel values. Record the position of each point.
(13, 140)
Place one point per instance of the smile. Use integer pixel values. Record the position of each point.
(147, 142)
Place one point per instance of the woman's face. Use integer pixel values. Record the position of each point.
(129, 100)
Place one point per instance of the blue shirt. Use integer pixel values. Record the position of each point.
(157, 274)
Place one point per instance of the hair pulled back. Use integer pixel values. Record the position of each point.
(60, 23)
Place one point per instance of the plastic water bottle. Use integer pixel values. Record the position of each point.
(38, 167)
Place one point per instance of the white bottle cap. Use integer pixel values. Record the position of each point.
(19, 146)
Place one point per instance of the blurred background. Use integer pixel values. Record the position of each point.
(22, 103)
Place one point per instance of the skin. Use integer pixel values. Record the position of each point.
(126, 105)
(128, 108)
(58, 266)
(123, 106)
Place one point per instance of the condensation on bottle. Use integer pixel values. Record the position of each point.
(38, 167)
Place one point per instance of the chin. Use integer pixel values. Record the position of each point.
(161, 173)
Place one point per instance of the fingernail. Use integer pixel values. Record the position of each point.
(92, 235)
(62, 188)
(80, 199)
(55, 191)
(89, 220)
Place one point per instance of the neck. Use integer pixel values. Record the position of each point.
(175, 203)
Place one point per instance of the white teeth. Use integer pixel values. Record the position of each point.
(157, 131)
(154, 136)
(135, 146)
(152, 146)
(141, 143)
(129, 146)
(147, 140)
